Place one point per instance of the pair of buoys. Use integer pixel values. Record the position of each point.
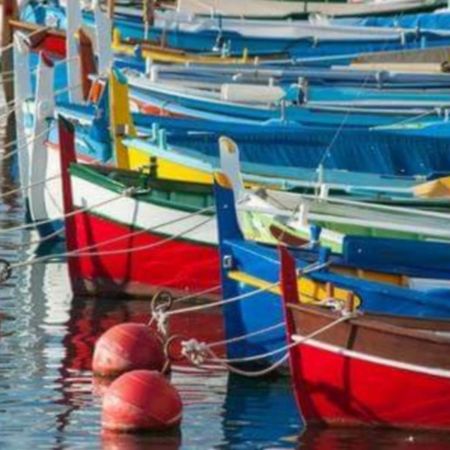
(141, 398)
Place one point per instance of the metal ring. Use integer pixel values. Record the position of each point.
(167, 345)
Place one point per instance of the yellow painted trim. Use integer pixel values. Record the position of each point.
(434, 189)
(167, 169)
(310, 291)
(168, 55)
(121, 120)
(222, 180)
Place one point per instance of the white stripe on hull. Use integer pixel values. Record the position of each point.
(372, 359)
(143, 215)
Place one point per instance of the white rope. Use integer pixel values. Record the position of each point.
(67, 89)
(5, 48)
(46, 238)
(209, 305)
(31, 185)
(198, 294)
(72, 213)
(246, 336)
(78, 252)
(160, 316)
(25, 145)
(143, 247)
(144, 230)
(198, 352)
(10, 107)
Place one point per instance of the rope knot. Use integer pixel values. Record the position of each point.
(5, 270)
(195, 351)
(159, 316)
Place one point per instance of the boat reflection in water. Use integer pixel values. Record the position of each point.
(371, 439)
(260, 413)
(46, 385)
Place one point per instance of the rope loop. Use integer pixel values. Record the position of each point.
(162, 301)
(160, 305)
(5, 270)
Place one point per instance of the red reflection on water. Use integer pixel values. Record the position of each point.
(371, 439)
(90, 319)
(138, 441)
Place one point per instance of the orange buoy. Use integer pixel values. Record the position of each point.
(126, 347)
(141, 400)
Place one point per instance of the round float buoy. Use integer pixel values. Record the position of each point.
(141, 400)
(125, 347)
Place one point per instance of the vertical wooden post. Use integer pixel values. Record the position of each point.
(87, 61)
(149, 16)
(111, 9)
(10, 11)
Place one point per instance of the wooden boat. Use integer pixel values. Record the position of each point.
(367, 370)
(54, 42)
(262, 209)
(163, 54)
(258, 8)
(223, 106)
(383, 276)
(158, 236)
(94, 143)
(286, 73)
(308, 146)
(234, 43)
(39, 165)
(270, 215)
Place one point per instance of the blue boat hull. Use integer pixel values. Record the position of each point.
(263, 310)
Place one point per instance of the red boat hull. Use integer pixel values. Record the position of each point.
(337, 389)
(181, 266)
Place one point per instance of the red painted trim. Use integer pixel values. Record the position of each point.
(54, 45)
(67, 156)
(333, 388)
(289, 289)
(338, 389)
(182, 266)
(87, 60)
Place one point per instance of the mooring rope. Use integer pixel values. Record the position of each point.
(199, 353)
(127, 236)
(5, 48)
(25, 145)
(31, 185)
(65, 216)
(161, 313)
(7, 268)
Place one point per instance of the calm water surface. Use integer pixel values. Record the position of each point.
(49, 400)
